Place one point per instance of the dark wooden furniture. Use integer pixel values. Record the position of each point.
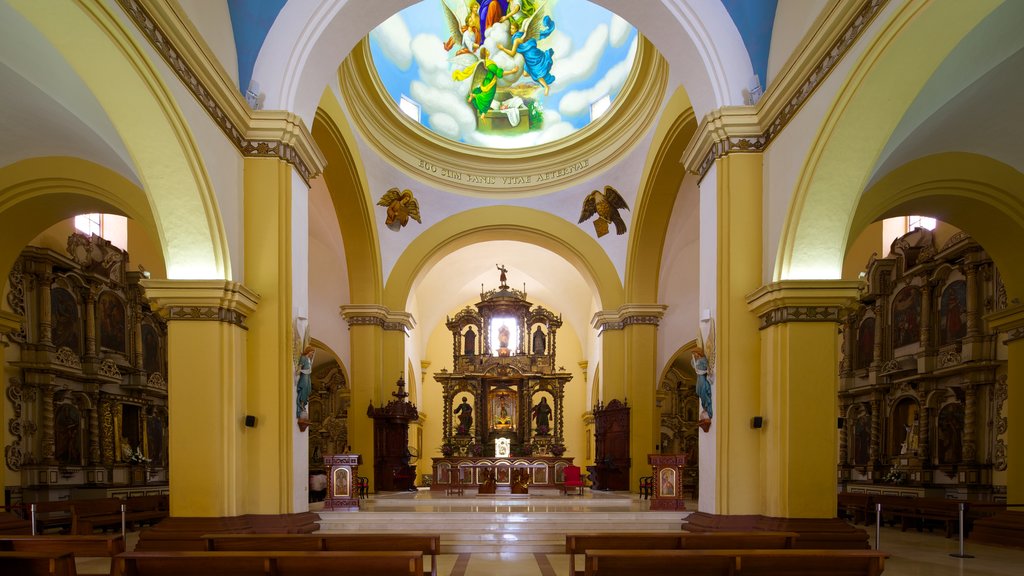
(80, 546)
(669, 471)
(11, 523)
(37, 563)
(427, 544)
(545, 471)
(344, 487)
(611, 447)
(391, 454)
(186, 533)
(302, 563)
(646, 487)
(581, 543)
(734, 562)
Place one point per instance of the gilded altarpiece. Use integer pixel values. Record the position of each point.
(504, 385)
(921, 381)
(89, 401)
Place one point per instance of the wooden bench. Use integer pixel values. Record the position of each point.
(426, 544)
(925, 510)
(88, 515)
(11, 523)
(858, 507)
(54, 515)
(37, 563)
(147, 509)
(734, 562)
(303, 563)
(97, 546)
(763, 540)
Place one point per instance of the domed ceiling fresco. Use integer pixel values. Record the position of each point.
(503, 73)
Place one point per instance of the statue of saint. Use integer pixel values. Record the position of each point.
(469, 340)
(465, 414)
(502, 278)
(539, 341)
(542, 413)
(503, 335)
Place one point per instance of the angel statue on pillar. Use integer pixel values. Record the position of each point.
(703, 361)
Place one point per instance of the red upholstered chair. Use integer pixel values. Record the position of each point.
(572, 480)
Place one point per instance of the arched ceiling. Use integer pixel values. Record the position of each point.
(971, 103)
(47, 109)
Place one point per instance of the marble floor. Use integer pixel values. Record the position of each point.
(510, 519)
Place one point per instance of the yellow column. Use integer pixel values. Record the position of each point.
(613, 356)
(641, 334)
(799, 383)
(366, 324)
(270, 389)
(206, 369)
(1011, 321)
(738, 264)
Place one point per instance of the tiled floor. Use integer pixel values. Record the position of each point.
(912, 553)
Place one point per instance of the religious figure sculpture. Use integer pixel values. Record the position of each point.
(303, 385)
(469, 340)
(465, 414)
(539, 341)
(503, 336)
(542, 413)
(503, 279)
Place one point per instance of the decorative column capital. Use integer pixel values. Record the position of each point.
(628, 314)
(203, 300)
(803, 301)
(377, 315)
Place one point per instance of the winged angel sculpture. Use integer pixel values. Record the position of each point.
(606, 206)
(401, 206)
(495, 42)
(703, 361)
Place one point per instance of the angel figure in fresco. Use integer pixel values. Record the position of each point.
(485, 74)
(465, 34)
(606, 206)
(401, 206)
(703, 361)
(536, 62)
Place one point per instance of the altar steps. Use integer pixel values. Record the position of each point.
(478, 524)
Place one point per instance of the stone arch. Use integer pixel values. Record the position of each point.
(293, 71)
(505, 223)
(663, 175)
(96, 44)
(869, 106)
(39, 192)
(346, 181)
(975, 193)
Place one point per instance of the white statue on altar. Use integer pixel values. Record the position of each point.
(502, 447)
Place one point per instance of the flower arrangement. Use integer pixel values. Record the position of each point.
(447, 450)
(476, 449)
(136, 456)
(557, 449)
(895, 476)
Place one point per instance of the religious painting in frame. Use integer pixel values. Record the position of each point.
(667, 482)
(953, 312)
(906, 317)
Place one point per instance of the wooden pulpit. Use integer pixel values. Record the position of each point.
(668, 481)
(341, 481)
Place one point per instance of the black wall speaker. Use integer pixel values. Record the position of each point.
(840, 422)
(756, 422)
(250, 421)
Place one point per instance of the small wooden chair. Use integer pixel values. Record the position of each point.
(362, 486)
(646, 486)
(572, 480)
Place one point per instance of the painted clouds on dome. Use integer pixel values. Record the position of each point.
(504, 73)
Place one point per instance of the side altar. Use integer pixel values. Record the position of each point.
(504, 389)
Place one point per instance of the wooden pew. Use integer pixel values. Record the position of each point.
(427, 544)
(11, 523)
(927, 510)
(764, 540)
(51, 515)
(97, 546)
(856, 506)
(303, 563)
(37, 563)
(147, 509)
(734, 562)
(87, 515)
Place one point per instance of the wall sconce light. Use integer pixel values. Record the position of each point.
(757, 422)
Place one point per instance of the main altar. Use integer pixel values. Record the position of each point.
(504, 398)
